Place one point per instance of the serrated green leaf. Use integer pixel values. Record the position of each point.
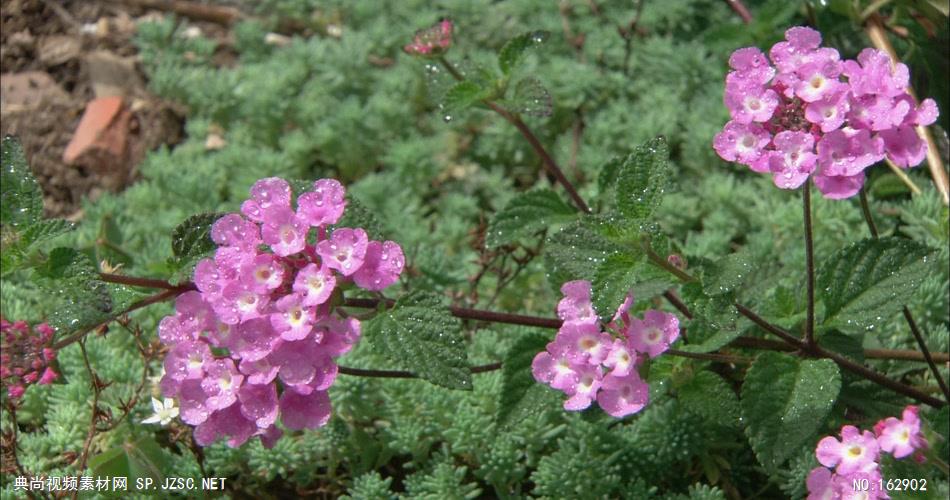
(726, 274)
(607, 177)
(714, 320)
(21, 201)
(527, 214)
(512, 52)
(576, 251)
(72, 280)
(45, 230)
(784, 403)
(612, 281)
(420, 334)
(641, 179)
(357, 215)
(867, 282)
(463, 95)
(192, 238)
(709, 396)
(518, 385)
(531, 98)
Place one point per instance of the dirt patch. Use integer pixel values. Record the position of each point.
(56, 57)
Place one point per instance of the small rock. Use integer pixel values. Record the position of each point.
(58, 49)
(112, 75)
(21, 39)
(27, 90)
(276, 39)
(102, 130)
(215, 142)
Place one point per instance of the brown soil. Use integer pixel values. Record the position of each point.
(56, 38)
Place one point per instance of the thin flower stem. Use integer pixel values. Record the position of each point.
(926, 352)
(675, 301)
(719, 358)
(546, 159)
(361, 372)
(840, 360)
(740, 9)
(141, 282)
(866, 210)
(907, 315)
(809, 265)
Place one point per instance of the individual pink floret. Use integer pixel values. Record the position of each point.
(584, 342)
(584, 392)
(381, 267)
(856, 451)
(229, 423)
(900, 437)
(324, 205)
(292, 320)
(576, 306)
(345, 250)
(875, 73)
(259, 403)
(304, 411)
(263, 273)
(186, 360)
(234, 230)
(794, 159)
(654, 334)
(271, 193)
(284, 231)
(623, 395)
(820, 485)
(744, 143)
(221, 383)
(315, 283)
(553, 367)
(621, 359)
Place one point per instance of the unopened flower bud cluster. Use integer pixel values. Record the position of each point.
(25, 356)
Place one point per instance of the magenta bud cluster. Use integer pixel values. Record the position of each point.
(26, 354)
(854, 459)
(815, 115)
(258, 338)
(432, 41)
(589, 364)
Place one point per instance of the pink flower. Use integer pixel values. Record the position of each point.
(554, 368)
(584, 342)
(585, 390)
(315, 283)
(576, 306)
(263, 304)
(345, 250)
(324, 205)
(434, 40)
(850, 113)
(793, 160)
(820, 485)
(25, 356)
(654, 334)
(381, 267)
(900, 437)
(623, 395)
(855, 452)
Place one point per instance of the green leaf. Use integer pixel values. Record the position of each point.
(357, 215)
(709, 396)
(519, 396)
(714, 320)
(420, 334)
(867, 282)
(608, 174)
(21, 201)
(726, 274)
(73, 281)
(527, 214)
(784, 402)
(642, 179)
(138, 459)
(612, 282)
(531, 98)
(192, 238)
(576, 251)
(512, 52)
(463, 95)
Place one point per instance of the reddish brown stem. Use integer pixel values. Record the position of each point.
(740, 9)
(361, 372)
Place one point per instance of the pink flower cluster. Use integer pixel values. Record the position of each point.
(588, 364)
(25, 356)
(855, 457)
(816, 115)
(262, 314)
(433, 40)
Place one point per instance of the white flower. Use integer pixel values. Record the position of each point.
(164, 412)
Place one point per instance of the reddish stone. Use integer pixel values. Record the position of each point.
(104, 128)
